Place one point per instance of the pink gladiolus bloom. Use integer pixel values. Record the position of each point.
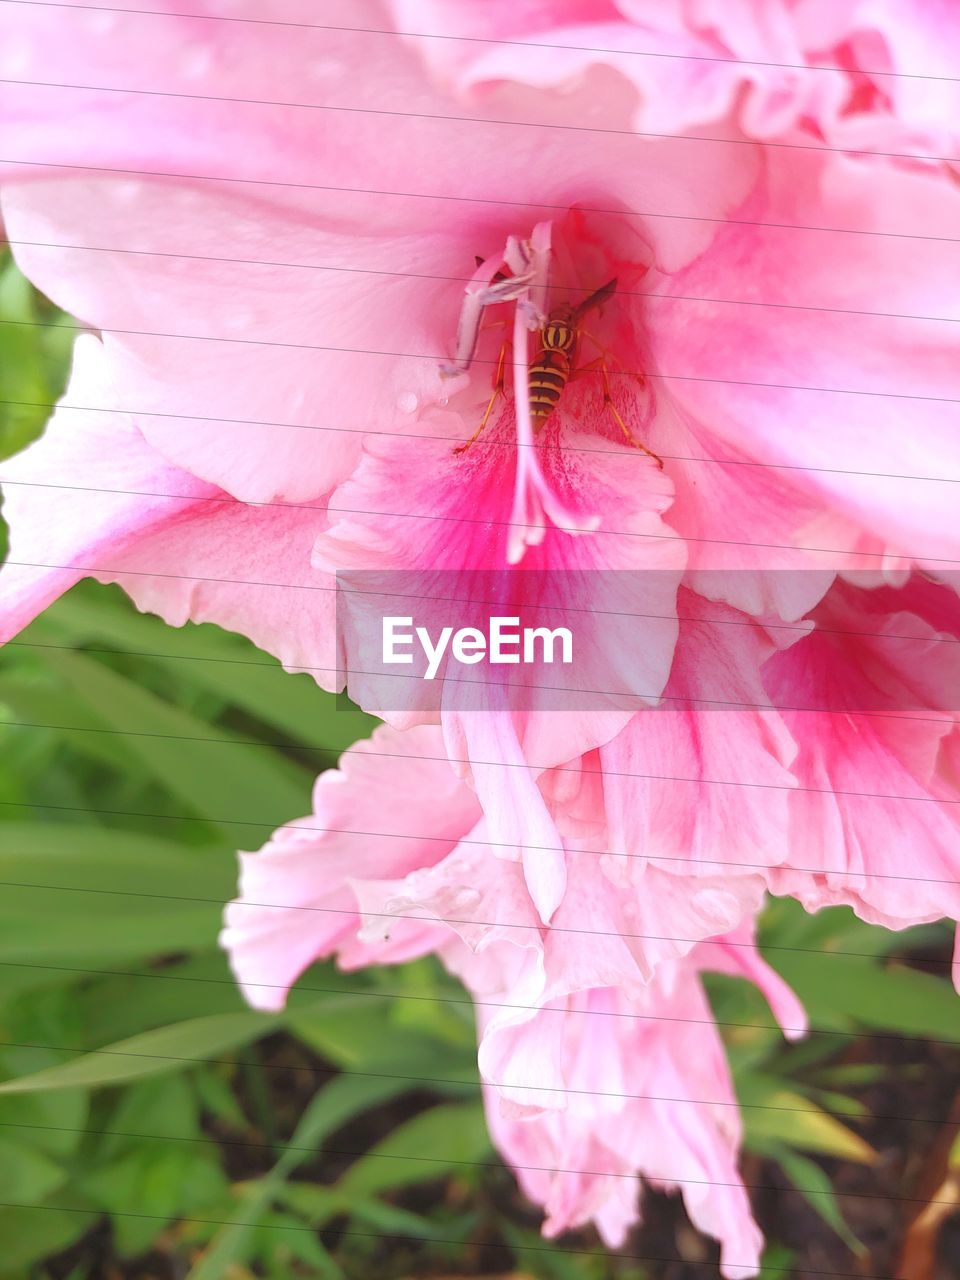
(593, 1073)
(789, 306)
(272, 226)
(875, 820)
(844, 788)
(94, 498)
(642, 1086)
(867, 76)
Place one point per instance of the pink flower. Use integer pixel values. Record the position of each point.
(296, 900)
(843, 787)
(855, 74)
(787, 305)
(93, 497)
(272, 230)
(593, 1071)
(428, 866)
(645, 1090)
(871, 696)
(703, 783)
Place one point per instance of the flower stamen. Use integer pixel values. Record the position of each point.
(535, 505)
(529, 264)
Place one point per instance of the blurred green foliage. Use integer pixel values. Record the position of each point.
(34, 355)
(145, 1110)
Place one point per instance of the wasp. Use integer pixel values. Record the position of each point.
(556, 363)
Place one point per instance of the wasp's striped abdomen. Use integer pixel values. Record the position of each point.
(551, 370)
(547, 378)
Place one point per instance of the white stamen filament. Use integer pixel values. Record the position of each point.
(534, 502)
(529, 261)
(476, 297)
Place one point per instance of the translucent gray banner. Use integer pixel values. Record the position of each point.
(416, 641)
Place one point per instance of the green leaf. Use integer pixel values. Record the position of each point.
(433, 1143)
(386, 1219)
(30, 698)
(850, 1074)
(551, 1261)
(72, 892)
(351, 1033)
(774, 1113)
(149, 1054)
(341, 1100)
(166, 1105)
(59, 1119)
(36, 1232)
(333, 1106)
(205, 656)
(750, 1034)
(217, 1098)
(141, 1179)
(26, 1174)
(32, 363)
(282, 1239)
(889, 998)
(816, 1188)
(216, 776)
(785, 924)
(842, 1104)
(777, 1263)
(156, 1181)
(117, 1007)
(799, 1058)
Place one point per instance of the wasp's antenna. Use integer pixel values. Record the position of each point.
(597, 298)
(501, 275)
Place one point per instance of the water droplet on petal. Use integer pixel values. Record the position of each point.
(323, 68)
(466, 899)
(443, 401)
(16, 58)
(239, 320)
(195, 61)
(126, 191)
(101, 23)
(407, 402)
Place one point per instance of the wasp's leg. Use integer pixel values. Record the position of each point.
(608, 356)
(600, 364)
(498, 384)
